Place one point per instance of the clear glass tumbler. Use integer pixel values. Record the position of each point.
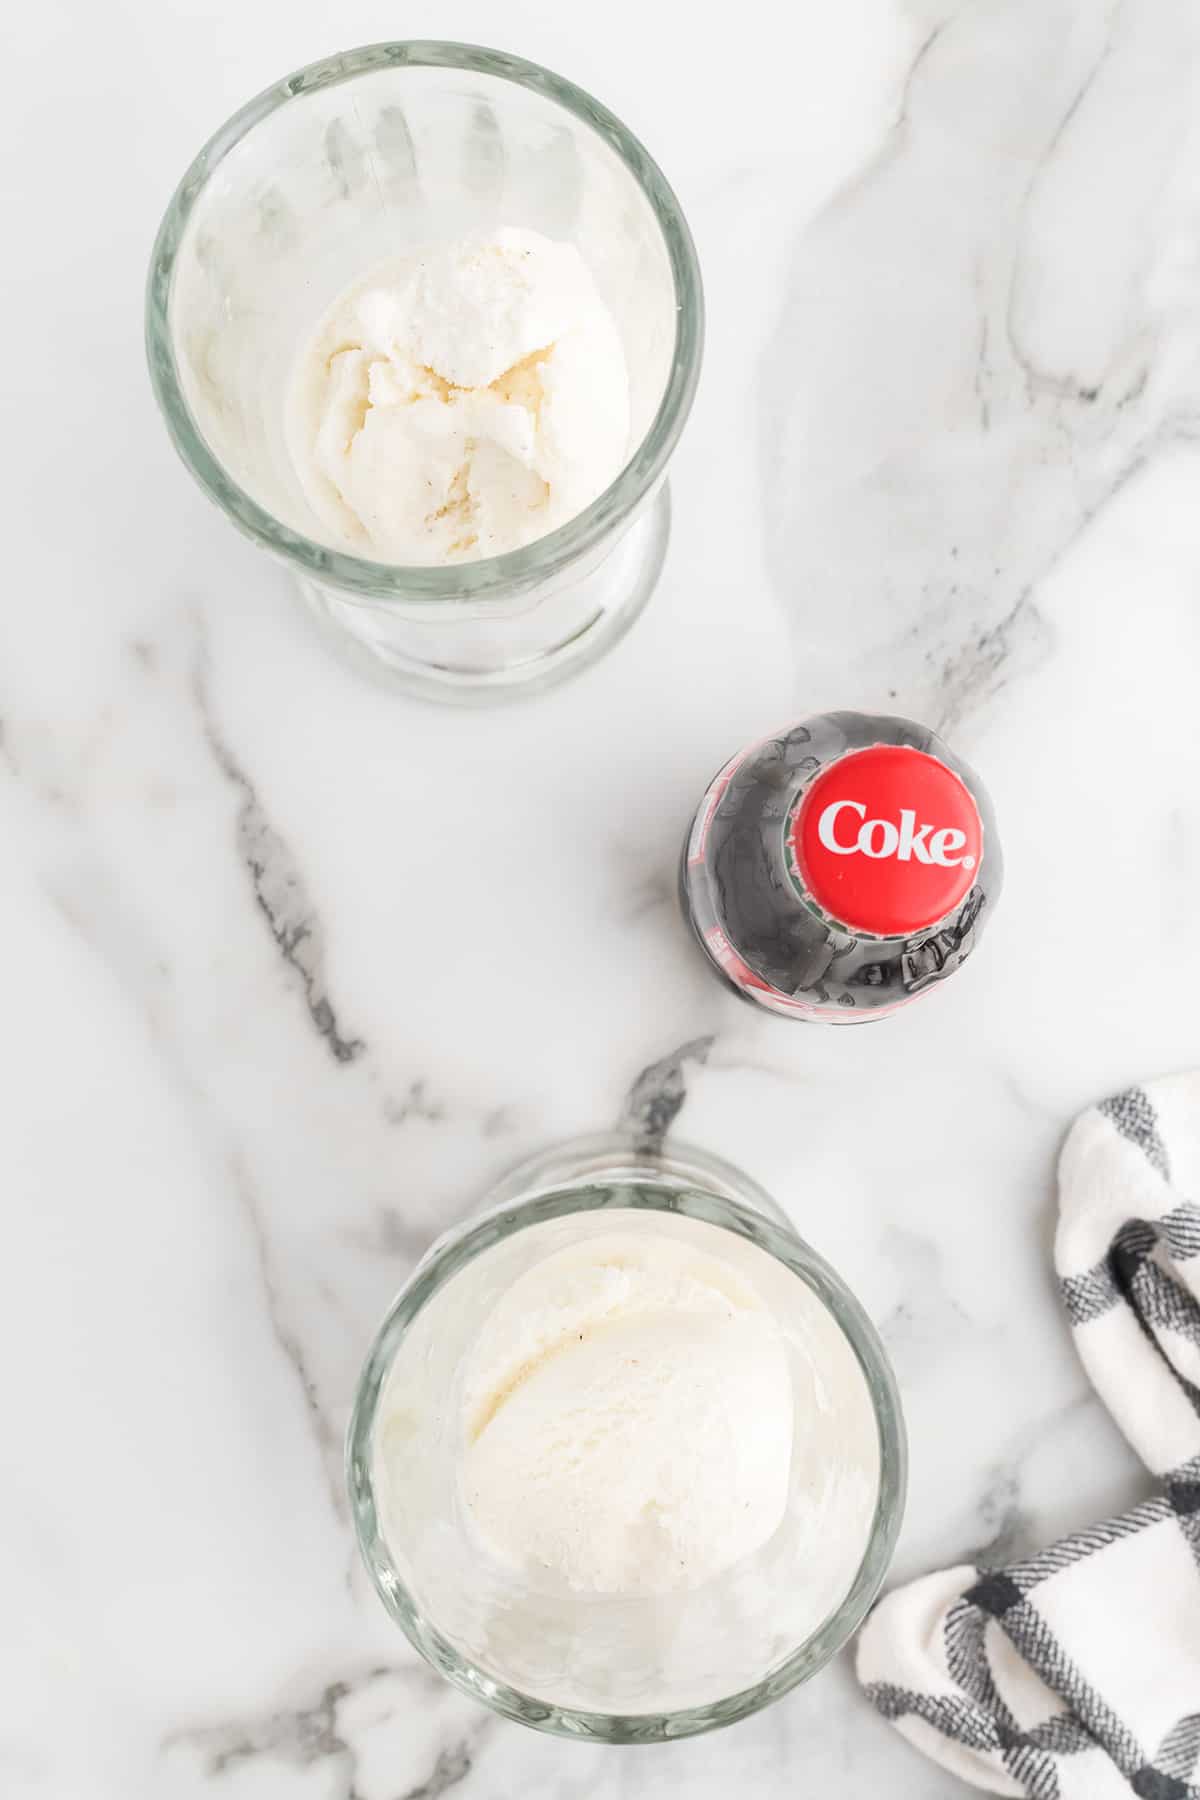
(339, 167)
(615, 1667)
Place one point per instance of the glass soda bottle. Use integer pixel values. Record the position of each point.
(841, 868)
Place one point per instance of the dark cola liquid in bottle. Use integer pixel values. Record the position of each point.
(841, 868)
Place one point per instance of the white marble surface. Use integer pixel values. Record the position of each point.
(266, 1030)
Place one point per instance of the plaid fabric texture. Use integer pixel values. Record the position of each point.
(1076, 1675)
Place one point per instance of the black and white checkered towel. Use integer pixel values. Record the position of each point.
(1076, 1675)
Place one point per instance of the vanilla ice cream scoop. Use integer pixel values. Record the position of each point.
(627, 1418)
(461, 402)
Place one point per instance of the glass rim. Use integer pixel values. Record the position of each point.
(513, 570)
(453, 1252)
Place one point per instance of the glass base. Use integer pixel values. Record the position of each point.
(481, 660)
(603, 1157)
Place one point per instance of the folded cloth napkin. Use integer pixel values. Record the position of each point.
(1076, 1675)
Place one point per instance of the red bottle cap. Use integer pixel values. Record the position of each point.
(886, 841)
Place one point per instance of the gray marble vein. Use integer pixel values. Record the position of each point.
(279, 886)
(1009, 1530)
(414, 1103)
(330, 1729)
(657, 1095)
(105, 925)
(451, 1767)
(930, 460)
(929, 1317)
(328, 1437)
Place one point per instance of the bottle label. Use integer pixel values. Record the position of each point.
(885, 841)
